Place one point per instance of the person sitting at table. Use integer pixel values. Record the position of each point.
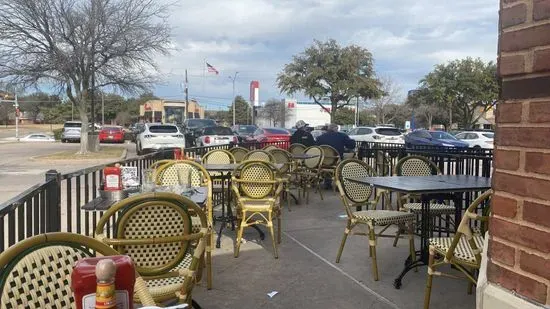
(339, 141)
(302, 135)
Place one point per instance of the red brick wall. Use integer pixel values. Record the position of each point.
(519, 250)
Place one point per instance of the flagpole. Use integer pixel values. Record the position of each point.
(203, 75)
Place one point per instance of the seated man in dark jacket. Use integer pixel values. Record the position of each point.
(338, 140)
(302, 135)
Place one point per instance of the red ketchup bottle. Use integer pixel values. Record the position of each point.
(112, 179)
(84, 282)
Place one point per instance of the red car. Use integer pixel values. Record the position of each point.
(113, 134)
(276, 136)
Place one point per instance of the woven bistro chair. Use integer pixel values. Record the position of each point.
(463, 251)
(352, 195)
(270, 147)
(259, 155)
(257, 192)
(218, 156)
(155, 230)
(309, 174)
(238, 153)
(331, 158)
(421, 166)
(284, 158)
(36, 272)
(219, 185)
(297, 148)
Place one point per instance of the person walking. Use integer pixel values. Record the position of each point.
(302, 135)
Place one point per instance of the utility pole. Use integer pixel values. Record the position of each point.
(357, 112)
(16, 105)
(186, 90)
(234, 101)
(102, 109)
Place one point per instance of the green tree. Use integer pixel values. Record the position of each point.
(466, 88)
(326, 70)
(344, 116)
(33, 103)
(242, 111)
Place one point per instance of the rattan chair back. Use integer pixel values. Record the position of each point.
(465, 230)
(157, 164)
(270, 147)
(415, 166)
(218, 156)
(330, 156)
(36, 272)
(314, 163)
(238, 153)
(297, 148)
(283, 157)
(170, 174)
(154, 229)
(355, 192)
(259, 155)
(256, 179)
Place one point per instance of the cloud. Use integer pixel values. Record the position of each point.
(257, 37)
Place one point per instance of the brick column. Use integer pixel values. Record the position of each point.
(519, 248)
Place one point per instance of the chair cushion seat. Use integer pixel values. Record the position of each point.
(435, 208)
(167, 287)
(384, 217)
(463, 250)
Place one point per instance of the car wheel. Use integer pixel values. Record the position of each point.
(63, 140)
(139, 152)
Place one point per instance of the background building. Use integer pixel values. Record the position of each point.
(310, 112)
(169, 111)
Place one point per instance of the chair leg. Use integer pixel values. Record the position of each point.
(428, 293)
(397, 235)
(279, 223)
(239, 238)
(319, 188)
(273, 240)
(372, 245)
(287, 190)
(343, 243)
(209, 261)
(410, 228)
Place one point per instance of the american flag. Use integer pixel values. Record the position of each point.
(211, 69)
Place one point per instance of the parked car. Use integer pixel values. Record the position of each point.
(192, 126)
(243, 131)
(433, 138)
(136, 128)
(156, 136)
(477, 139)
(379, 134)
(218, 135)
(270, 135)
(37, 137)
(71, 131)
(112, 134)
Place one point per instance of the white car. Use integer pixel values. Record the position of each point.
(212, 136)
(37, 137)
(377, 134)
(155, 136)
(477, 139)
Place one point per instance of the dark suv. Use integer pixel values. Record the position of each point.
(191, 128)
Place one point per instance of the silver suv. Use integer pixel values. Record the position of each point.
(156, 136)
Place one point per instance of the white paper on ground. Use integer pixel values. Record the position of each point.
(271, 294)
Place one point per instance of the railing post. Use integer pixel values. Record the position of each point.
(53, 201)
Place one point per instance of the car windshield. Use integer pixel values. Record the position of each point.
(246, 129)
(163, 129)
(442, 135)
(218, 131)
(276, 131)
(489, 135)
(200, 123)
(72, 125)
(388, 131)
(111, 128)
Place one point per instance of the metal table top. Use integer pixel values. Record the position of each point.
(427, 184)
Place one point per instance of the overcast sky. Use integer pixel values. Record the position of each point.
(258, 37)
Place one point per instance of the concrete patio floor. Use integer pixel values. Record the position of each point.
(306, 275)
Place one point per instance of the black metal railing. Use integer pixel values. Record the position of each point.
(56, 203)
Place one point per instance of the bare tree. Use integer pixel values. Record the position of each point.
(80, 46)
(276, 112)
(385, 107)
